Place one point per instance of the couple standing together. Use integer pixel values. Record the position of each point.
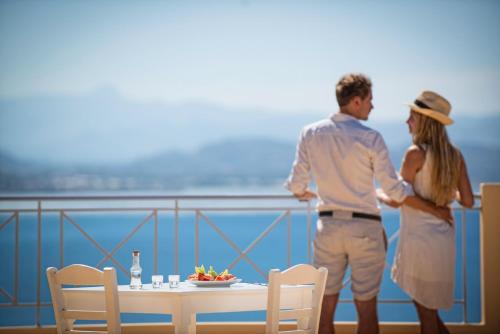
(343, 158)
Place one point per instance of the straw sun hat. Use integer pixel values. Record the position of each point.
(434, 106)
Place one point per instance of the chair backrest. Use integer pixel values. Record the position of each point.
(78, 275)
(308, 317)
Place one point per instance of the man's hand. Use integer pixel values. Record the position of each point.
(306, 195)
(445, 213)
(441, 212)
(383, 198)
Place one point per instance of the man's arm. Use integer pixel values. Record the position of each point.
(418, 203)
(441, 212)
(412, 162)
(386, 175)
(395, 192)
(300, 175)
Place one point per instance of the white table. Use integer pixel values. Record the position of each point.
(185, 302)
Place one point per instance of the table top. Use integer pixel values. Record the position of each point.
(186, 288)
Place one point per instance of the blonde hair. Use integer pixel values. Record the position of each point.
(431, 135)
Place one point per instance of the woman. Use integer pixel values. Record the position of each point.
(424, 264)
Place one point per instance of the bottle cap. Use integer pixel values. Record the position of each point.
(135, 252)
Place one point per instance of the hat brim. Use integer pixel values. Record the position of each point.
(443, 119)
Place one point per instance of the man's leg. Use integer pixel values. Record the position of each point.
(429, 323)
(327, 313)
(367, 316)
(329, 252)
(366, 254)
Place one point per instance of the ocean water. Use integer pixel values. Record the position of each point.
(109, 229)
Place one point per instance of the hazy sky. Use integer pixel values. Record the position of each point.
(281, 55)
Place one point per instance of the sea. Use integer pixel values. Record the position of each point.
(111, 231)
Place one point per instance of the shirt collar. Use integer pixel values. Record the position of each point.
(341, 117)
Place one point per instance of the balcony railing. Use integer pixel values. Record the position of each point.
(58, 214)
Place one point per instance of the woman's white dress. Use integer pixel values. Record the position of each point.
(424, 264)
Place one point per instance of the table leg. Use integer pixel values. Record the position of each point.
(184, 322)
(177, 320)
(192, 323)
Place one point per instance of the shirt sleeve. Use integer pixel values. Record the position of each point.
(392, 184)
(300, 175)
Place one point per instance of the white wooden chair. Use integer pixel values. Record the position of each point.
(307, 318)
(79, 274)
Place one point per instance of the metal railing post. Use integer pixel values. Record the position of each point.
(464, 263)
(309, 239)
(39, 263)
(289, 243)
(197, 239)
(16, 264)
(176, 234)
(155, 242)
(61, 239)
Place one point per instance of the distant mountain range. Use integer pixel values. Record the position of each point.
(105, 142)
(106, 128)
(236, 162)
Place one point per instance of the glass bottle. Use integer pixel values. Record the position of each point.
(135, 271)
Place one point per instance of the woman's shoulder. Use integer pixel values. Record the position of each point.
(413, 162)
(415, 154)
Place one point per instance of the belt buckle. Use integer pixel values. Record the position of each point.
(342, 215)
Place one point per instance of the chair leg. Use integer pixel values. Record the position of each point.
(303, 323)
(70, 323)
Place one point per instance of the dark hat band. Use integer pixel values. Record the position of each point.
(420, 104)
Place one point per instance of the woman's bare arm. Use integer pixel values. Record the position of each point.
(413, 161)
(465, 195)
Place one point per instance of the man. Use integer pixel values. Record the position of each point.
(344, 157)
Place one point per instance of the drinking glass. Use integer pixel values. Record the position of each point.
(157, 281)
(173, 281)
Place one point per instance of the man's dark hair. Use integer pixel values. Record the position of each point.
(352, 85)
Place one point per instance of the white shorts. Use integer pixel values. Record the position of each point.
(358, 242)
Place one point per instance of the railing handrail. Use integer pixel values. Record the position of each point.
(141, 197)
(149, 197)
